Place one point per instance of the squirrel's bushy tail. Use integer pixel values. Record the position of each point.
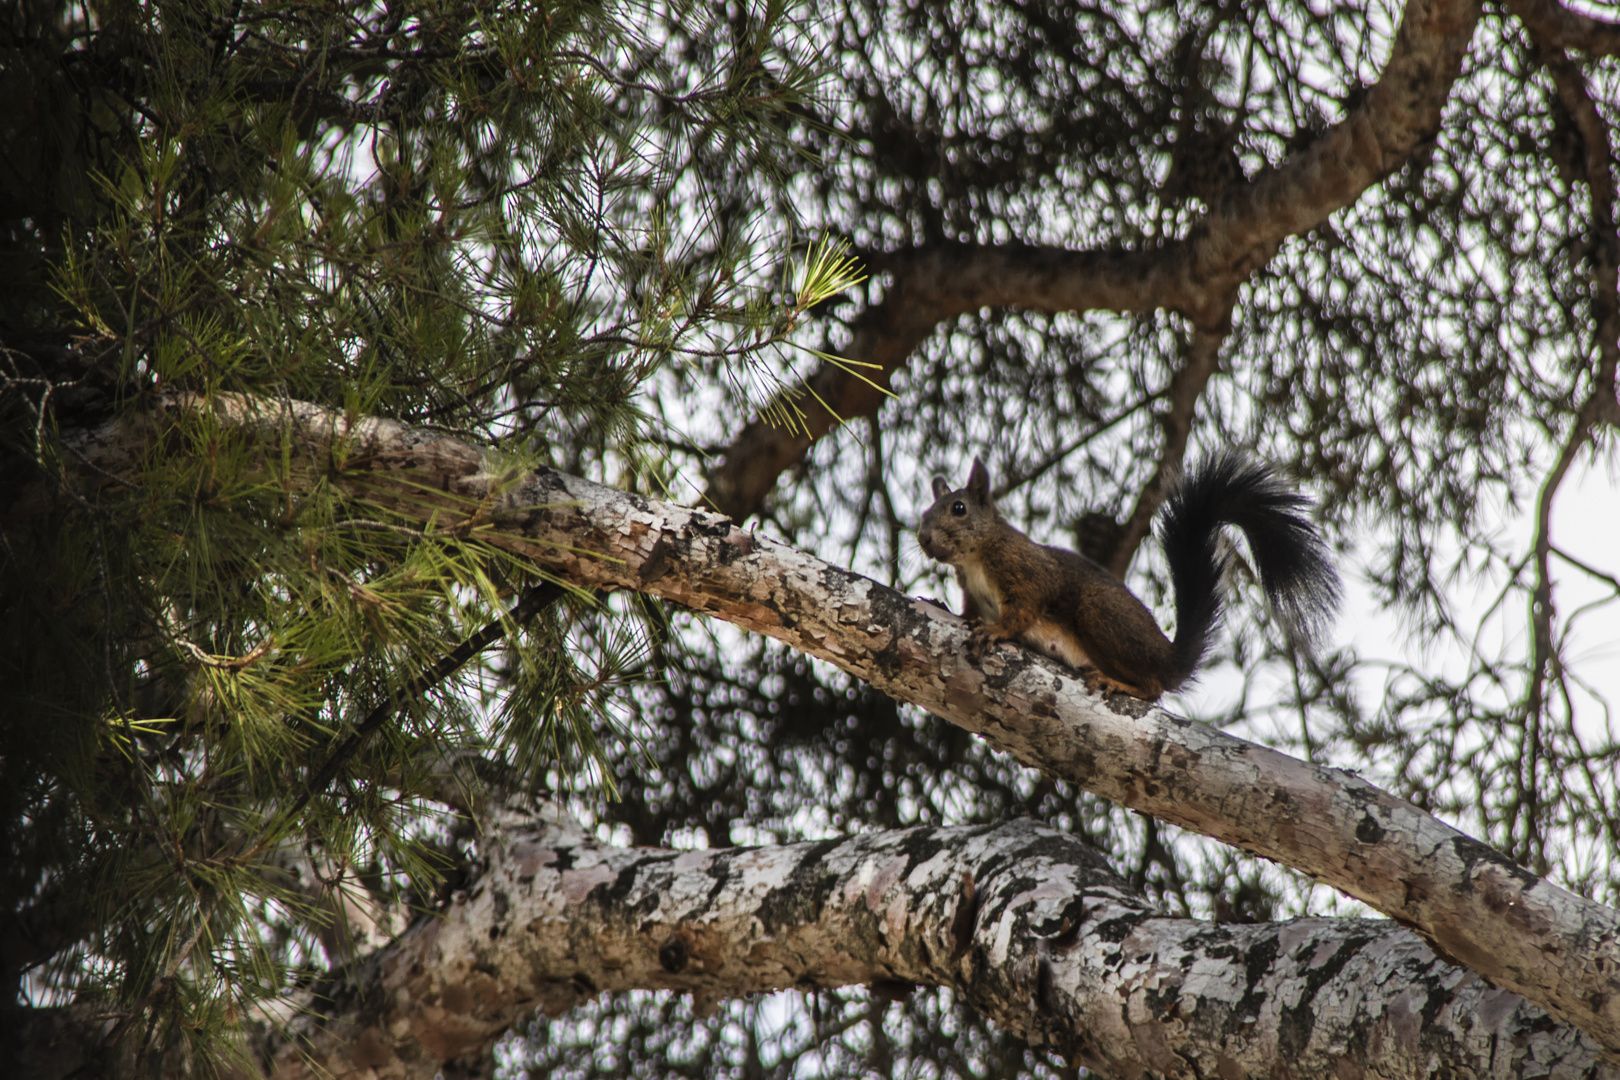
(1290, 557)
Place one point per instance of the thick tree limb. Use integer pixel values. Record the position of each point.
(1470, 903)
(1198, 276)
(929, 286)
(1027, 924)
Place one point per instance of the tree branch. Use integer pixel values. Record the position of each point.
(1186, 388)
(1473, 905)
(1597, 167)
(534, 600)
(1198, 276)
(1557, 27)
(1576, 101)
(1027, 924)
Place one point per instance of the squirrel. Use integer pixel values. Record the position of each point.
(1068, 607)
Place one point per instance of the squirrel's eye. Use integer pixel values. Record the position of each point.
(958, 507)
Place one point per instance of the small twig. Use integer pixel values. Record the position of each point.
(223, 663)
(534, 600)
(1184, 392)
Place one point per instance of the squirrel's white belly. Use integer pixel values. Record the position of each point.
(1057, 642)
(985, 596)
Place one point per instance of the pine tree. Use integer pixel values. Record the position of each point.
(259, 718)
(236, 691)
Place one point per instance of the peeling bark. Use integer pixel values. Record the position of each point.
(1471, 904)
(1025, 923)
(1198, 276)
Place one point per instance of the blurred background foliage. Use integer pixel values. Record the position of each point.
(577, 232)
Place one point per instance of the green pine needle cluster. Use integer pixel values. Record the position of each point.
(497, 219)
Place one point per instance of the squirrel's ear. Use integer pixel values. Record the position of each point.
(979, 479)
(941, 488)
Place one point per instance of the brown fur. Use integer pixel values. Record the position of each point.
(1055, 601)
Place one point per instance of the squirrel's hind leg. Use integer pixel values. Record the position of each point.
(1098, 683)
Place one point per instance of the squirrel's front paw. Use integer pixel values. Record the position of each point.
(981, 639)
